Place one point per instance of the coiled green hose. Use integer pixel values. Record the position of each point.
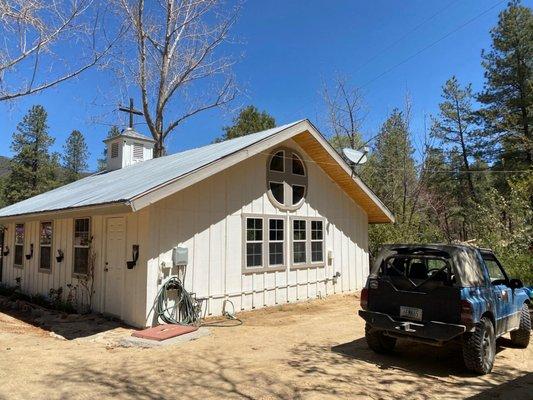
(181, 309)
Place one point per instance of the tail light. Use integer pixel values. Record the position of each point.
(364, 298)
(467, 312)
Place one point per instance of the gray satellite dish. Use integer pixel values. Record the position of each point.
(356, 156)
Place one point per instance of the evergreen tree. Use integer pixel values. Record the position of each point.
(455, 127)
(33, 169)
(249, 120)
(75, 154)
(508, 93)
(102, 162)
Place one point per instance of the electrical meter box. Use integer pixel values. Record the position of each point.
(180, 256)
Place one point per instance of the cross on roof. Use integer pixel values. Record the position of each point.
(131, 111)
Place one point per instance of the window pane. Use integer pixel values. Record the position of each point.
(299, 229)
(297, 165)
(46, 233)
(276, 164)
(276, 229)
(316, 230)
(254, 229)
(81, 232)
(277, 191)
(297, 193)
(495, 273)
(81, 260)
(275, 251)
(45, 258)
(254, 254)
(19, 233)
(316, 252)
(19, 250)
(299, 252)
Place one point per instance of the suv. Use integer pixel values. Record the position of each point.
(438, 293)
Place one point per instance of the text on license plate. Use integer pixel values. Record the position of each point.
(411, 313)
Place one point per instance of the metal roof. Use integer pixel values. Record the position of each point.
(130, 133)
(122, 185)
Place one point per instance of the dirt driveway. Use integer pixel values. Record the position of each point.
(312, 350)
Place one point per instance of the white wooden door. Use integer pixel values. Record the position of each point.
(115, 262)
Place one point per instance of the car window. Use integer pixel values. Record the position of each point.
(495, 272)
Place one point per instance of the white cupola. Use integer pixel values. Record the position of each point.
(128, 148)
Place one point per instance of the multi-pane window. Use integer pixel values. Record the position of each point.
(82, 239)
(45, 242)
(275, 242)
(19, 244)
(299, 253)
(286, 179)
(317, 241)
(254, 242)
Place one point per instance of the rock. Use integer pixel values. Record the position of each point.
(56, 336)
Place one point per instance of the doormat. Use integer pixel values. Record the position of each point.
(163, 332)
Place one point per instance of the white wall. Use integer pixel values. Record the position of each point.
(207, 219)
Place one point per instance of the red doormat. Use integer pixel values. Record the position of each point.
(163, 332)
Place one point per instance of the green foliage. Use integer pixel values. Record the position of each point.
(33, 169)
(75, 154)
(249, 120)
(102, 162)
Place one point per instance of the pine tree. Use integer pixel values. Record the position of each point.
(508, 93)
(33, 169)
(455, 126)
(102, 162)
(249, 120)
(75, 154)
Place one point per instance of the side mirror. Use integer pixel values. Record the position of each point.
(515, 284)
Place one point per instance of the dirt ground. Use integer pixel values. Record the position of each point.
(313, 350)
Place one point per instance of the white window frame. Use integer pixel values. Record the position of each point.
(308, 235)
(21, 265)
(137, 145)
(265, 266)
(41, 245)
(283, 241)
(75, 246)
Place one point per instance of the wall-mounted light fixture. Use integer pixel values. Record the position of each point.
(29, 256)
(60, 255)
(134, 255)
(5, 252)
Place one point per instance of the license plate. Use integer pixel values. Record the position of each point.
(411, 313)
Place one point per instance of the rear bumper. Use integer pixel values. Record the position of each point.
(432, 330)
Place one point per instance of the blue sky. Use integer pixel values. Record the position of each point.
(289, 48)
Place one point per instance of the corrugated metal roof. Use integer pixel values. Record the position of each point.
(122, 185)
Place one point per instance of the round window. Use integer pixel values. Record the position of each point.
(286, 179)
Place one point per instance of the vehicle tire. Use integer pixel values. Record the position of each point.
(479, 347)
(520, 337)
(377, 341)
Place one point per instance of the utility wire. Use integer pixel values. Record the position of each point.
(433, 43)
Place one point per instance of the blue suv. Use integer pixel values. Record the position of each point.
(438, 293)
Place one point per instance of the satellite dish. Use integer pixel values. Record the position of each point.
(356, 156)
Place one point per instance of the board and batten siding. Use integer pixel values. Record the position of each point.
(207, 219)
(35, 281)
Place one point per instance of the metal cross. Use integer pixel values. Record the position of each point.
(131, 111)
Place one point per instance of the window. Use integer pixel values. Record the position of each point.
(19, 245)
(286, 179)
(275, 242)
(496, 274)
(81, 245)
(114, 150)
(138, 151)
(45, 241)
(254, 242)
(299, 241)
(317, 241)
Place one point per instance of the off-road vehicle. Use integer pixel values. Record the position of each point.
(438, 293)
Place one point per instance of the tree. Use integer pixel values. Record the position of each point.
(344, 107)
(455, 126)
(249, 120)
(38, 36)
(177, 67)
(33, 169)
(508, 93)
(75, 154)
(102, 162)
